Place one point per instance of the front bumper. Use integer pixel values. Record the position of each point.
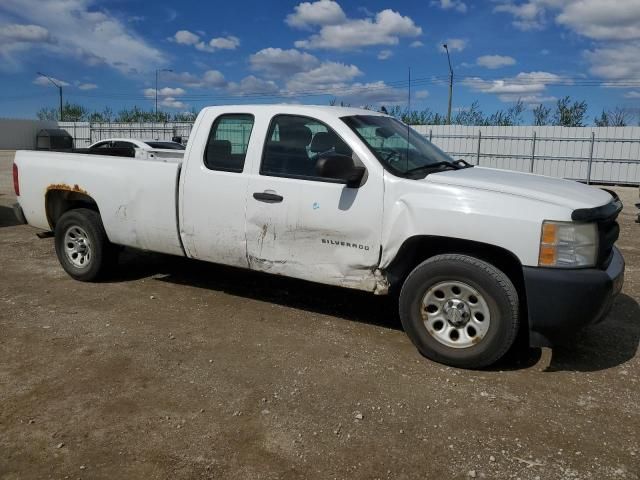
(561, 301)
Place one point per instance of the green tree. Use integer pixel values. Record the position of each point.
(618, 117)
(541, 115)
(71, 112)
(570, 113)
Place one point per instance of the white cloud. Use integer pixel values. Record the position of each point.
(595, 19)
(495, 61)
(615, 62)
(252, 85)
(276, 63)
(384, 54)
(385, 28)
(186, 37)
(602, 20)
(171, 102)
(44, 81)
(213, 78)
(327, 76)
(224, 43)
(454, 44)
(457, 5)
(164, 92)
(210, 78)
(23, 33)
(633, 94)
(87, 86)
(167, 97)
(527, 86)
(416, 44)
(78, 29)
(613, 25)
(420, 94)
(372, 93)
(322, 12)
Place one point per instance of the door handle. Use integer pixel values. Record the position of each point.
(268, 197)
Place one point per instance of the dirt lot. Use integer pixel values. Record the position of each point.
(178, 369)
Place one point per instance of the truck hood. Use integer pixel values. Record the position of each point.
(557, 191)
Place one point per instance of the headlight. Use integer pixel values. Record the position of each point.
(568, 245)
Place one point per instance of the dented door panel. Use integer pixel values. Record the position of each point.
(322, 232)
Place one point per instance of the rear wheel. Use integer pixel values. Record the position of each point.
(82, 246)
(459, 310)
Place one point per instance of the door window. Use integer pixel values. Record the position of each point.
(227, 144)
(121, 144)
(295, 144)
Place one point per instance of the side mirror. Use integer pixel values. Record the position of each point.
(340, 167)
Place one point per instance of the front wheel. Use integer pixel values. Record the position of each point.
(459, 310)
(82, 246)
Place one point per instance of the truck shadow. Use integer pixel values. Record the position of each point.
(338, 302)
(600, 347)
(7, 217)
(606, 345)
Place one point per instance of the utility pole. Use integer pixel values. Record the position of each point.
(59, 87)
(450, 85)
(158, 71)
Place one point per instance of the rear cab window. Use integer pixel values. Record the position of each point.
(228, 140)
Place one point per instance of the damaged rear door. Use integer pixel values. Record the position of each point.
(307, 227)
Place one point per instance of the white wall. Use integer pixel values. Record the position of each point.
(6, 172)
(21, 134)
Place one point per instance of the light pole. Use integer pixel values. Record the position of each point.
(59, 87)
(158, 71)
(450, 85)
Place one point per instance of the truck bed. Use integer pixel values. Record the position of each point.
(137, 199)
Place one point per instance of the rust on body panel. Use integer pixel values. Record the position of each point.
(65, 187)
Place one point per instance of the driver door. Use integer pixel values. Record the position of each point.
(301, 225)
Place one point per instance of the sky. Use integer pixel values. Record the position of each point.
(107, 53)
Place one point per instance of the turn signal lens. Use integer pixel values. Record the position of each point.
(547, 256)
(568, 245)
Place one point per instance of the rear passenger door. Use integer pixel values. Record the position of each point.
(213, 205)
(305, 226)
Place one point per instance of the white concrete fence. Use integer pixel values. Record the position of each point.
(591, 154)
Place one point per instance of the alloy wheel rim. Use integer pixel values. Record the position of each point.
(77, 247)
(455, 314)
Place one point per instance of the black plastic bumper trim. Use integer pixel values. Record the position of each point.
(560, 302)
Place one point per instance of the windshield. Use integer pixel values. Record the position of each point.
(399, 148)
(166, 145)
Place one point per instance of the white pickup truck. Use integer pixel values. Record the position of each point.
(353, 198)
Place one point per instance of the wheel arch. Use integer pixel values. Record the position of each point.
(419, 248)
(59, 199)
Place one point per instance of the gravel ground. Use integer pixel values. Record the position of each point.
(179, 369)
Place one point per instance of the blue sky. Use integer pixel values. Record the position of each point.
(106, 52)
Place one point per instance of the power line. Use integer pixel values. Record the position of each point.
(440, 80)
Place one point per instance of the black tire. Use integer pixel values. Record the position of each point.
(497, 292)
(103, 254)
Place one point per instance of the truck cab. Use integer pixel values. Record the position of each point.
(356, 199)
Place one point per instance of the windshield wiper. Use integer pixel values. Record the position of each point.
(435, 165)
